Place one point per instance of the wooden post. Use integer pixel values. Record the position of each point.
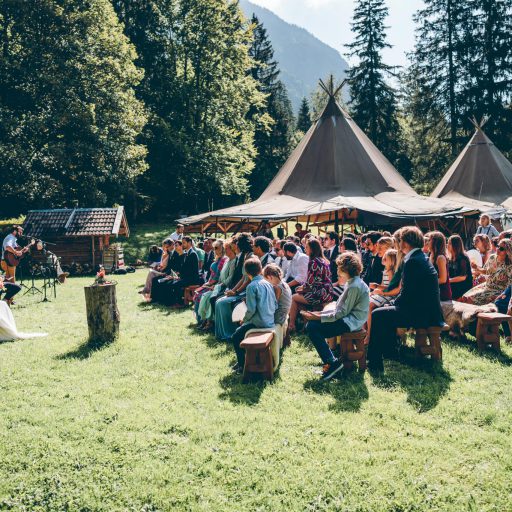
(102, 314)
(93, 255)
(336, 221)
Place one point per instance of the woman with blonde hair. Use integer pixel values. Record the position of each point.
(498, 275)
(437, 250)
(485, 227)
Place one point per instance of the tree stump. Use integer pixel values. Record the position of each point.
(102, 314)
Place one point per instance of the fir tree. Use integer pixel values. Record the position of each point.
(373, 102)
(70, 119)
(489, 61)
(440, 56)
(274, 118)
(304, 117)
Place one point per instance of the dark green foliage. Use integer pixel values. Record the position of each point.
(199, 93)
(373, 102)
(489, 63)
(304, 117)
(69, 119)
(274, 118)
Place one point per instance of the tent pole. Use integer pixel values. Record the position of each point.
(307, 225)
(336, 221)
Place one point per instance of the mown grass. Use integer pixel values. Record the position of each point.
(155, 421)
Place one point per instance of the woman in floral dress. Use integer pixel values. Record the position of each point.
(317, 290)
(498, 275)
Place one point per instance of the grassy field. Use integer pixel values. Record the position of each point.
(155, 421)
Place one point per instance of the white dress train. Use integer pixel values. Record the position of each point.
(8, 329)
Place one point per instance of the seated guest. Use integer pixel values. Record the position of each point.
(201, 254)
(348, 244)
(317, 289)
(10, 290)
(376, 269)
(417, 305)
(485, 227)
(483, 245)
(224, 326)
(265, 230)
(426, 243)
(459, 267)
(372, 273)
(170, 293)
(437, 250)
(299, 232)
(505, 307)
(349, 315)
(178, 234)
(281, 260)
(261, 249)
(261, 307)
(161, 269)
(170, 273)
(154, 256)
(206, 310)
(381, 295)
(274, 275)
(209, 257)
(297, 272)
(332, 252)
(497, 273)
(214, 273)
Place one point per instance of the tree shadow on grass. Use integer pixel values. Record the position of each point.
(469, 343)
(85, 350)
(424, 381)
(349, 391)
(166, 310)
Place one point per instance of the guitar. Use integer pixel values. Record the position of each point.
(13, 260)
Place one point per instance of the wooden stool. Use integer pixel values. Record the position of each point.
(352, 348)
(188, 293)
(488, 329)
(428, 342)
(258, 356)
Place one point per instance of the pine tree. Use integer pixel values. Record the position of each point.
(373, 102)
(199, 92)
(304, 117)
(274, 118)
(441, 58)
(69, 116)
(489, 60)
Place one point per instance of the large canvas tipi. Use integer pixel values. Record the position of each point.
(336, 171)
(481, 177)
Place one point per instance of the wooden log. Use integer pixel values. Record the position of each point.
(103, 317)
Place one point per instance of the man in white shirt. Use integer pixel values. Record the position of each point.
(10, 244)
(178, 234)
(297, 272)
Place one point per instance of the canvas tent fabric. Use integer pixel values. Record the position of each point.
(480, 177)
(335, 168)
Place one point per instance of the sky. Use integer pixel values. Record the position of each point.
(329, 20)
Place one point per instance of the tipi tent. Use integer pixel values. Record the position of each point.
(336, 172)
(481, 177)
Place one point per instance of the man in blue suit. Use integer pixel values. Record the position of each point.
(417, 305)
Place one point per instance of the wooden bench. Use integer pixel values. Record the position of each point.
(427, 342)
(352, 348)
(188, 294)
(488, 329)
(258, 356)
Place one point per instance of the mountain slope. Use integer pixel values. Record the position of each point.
(303, 58)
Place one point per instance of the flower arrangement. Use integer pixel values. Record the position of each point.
(100, 278)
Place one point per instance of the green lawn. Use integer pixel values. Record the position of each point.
(155, 421)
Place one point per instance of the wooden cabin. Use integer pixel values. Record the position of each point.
(80, 235)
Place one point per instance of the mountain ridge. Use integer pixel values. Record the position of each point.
(303, 59)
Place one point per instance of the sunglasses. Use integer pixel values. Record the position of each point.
(501, 248)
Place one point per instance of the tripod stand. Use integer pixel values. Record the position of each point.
(33, 289)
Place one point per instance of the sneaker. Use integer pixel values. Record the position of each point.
(331, 369)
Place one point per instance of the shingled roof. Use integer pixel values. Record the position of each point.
(76, 222)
